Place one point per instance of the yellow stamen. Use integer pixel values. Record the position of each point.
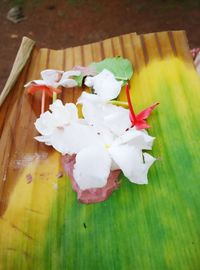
(118, 103)
(107, 146)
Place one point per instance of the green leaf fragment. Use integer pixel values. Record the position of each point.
(79, 79)
(120, 67)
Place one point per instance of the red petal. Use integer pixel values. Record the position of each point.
(141, 125)
(34, 88)
(145, 114)
(49, 90)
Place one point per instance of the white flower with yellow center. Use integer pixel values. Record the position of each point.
(98, 150)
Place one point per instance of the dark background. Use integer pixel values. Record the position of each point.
(64, 23)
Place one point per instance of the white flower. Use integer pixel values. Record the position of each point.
(100, 113)
(62, 129)
(55, 78)
(59, 117)
(105, 85)
(94, 162)
(98, 148)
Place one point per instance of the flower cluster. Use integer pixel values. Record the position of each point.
(104, 139)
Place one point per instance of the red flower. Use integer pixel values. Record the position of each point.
(33, 88)
(139, 120)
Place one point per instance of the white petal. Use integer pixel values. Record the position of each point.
(45, 124)
(89, 81)
(70, 73)
(55, 105)
(130, 160)
(36, 82)
(118, 121)
(73, 138)
(44, 139)
(92, 168)
(51, 76)
(105, 135)
(137, 138)
(68, 83)
(82, 121)
(72, 112)
(64, 114)
(114, 166)
(106, 86)
(91, 108)
(92, 113)
(97, 112)
(87, 97)
(108, 90)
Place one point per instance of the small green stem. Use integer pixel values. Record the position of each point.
(54, 96)
(118, 103)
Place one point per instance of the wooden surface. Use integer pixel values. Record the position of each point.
(139, 227)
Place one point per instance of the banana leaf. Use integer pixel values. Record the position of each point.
(156, 226)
